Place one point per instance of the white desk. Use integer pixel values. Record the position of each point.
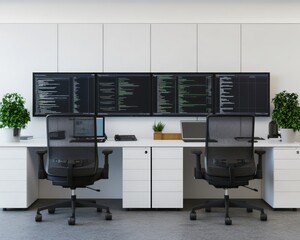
(152, 173)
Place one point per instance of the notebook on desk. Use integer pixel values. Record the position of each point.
(193, 131)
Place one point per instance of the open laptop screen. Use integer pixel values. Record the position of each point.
(193, 130)
(84, 127)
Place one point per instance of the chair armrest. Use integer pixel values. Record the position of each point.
(258, 174)
(105, 171)
(42, 173)
(198, 172)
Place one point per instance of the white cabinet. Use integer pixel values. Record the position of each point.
(218, 47)
(80, 47)
(136, 177)
(282, 176)
(167, 177)
(173, 48)
(18, 178)
(127, 48)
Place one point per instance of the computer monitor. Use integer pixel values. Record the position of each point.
(63, 93)
(123, 94)
(83, 128)
(182, 94)
(242, 93)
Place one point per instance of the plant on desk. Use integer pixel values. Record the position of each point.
(286, 114)
(158, 127)
(13, 114)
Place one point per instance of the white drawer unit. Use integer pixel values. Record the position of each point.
(167, 177)
(18, 178)
(283, 178)
(136, 177)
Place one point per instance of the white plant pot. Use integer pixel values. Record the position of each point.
(7, 135)
(287, 135)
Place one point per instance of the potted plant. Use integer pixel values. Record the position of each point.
(13, 114)
(158, 128)
(286, 114)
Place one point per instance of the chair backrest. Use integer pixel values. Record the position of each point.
(229, 142)
(64, 150)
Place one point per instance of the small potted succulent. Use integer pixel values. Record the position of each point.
(13, 114)
(158, 127)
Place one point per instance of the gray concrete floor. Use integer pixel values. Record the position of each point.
(149, 224)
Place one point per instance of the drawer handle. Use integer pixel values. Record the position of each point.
(146, 152)
(297, 152)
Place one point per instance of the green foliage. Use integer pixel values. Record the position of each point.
(13, 113)
(286, 111)
(158, 127)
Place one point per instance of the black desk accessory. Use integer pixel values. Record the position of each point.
(125, 137)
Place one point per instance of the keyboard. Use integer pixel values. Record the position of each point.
(248, 138)
(125, 137)
(79, 140)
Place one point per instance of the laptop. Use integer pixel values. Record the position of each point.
(83, 130)
(193, 131)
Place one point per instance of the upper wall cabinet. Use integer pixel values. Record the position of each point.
(273, 48)
(24, 49)
(218, 47)
(173, 47)
(127, 47)
(80, 47)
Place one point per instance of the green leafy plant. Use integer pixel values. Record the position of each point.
(158, 127)
(286, 111)
(13, 113)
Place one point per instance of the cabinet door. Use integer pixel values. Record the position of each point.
(80, 47)
(173, 47)
(167, 177)
(136, 177)
(127, 47)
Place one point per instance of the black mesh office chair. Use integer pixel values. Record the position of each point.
(229, 161)
(72, 163)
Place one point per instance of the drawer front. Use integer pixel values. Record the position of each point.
(136, 200)
(11, 175)
(167, 200)
(13, 200)
(131, 175)
(13, 153)
(287, 164)
(286, 175)
(136, 186)
(16, 163)
(286, 200)
(12, 186)
(290, 153)
(136, 164)
(167, 186)
(167, 163)
(167, 175)
(287, 186)
(167, 152)
(136, 153)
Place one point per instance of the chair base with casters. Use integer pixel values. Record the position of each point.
(74, 203)
(227, 203)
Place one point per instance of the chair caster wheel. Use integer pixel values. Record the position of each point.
(249, 210)
(263, 217)
(99, 209)
(207, 209)
(38, 217)
(228, 221)
(51, 211)
(71, 221)
(108, 216)
(193, 216)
